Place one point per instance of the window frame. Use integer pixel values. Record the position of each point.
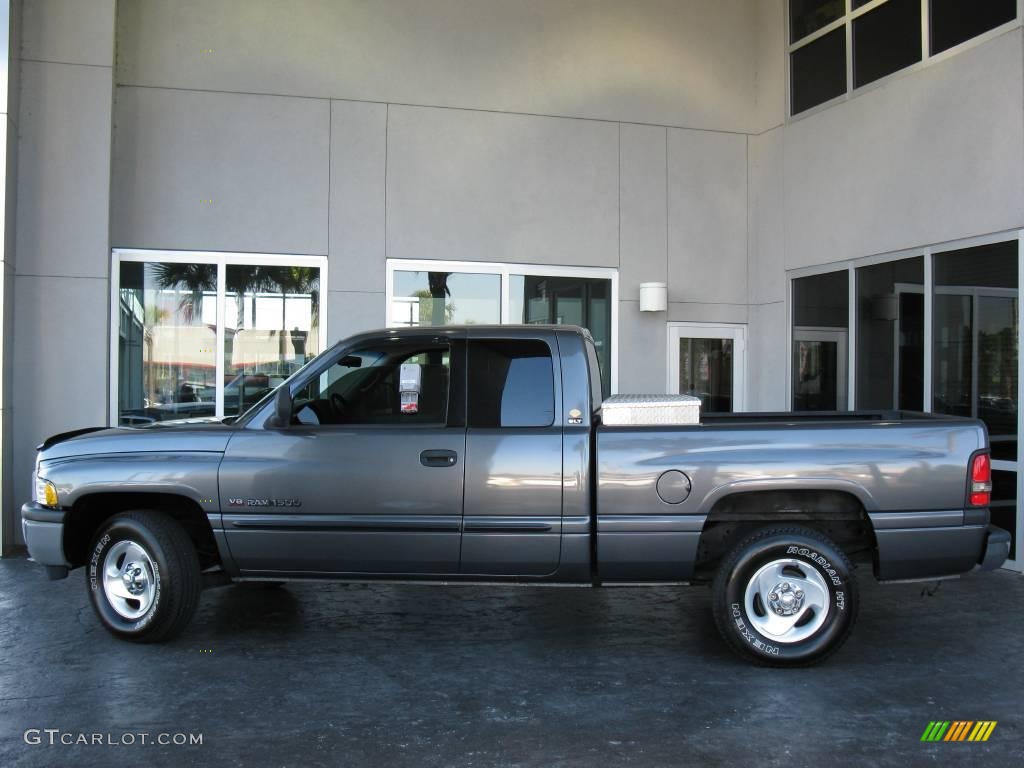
(506, 270)
(928, 252)
(846, 22)
(221, 259)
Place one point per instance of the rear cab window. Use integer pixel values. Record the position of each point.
(511, 383)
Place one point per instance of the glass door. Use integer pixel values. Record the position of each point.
(819, 369)
(708, 361)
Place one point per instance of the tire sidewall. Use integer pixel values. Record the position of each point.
(120, 529)
(814, 554)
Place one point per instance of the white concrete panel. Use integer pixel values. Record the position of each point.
(351, 312)
(697, 312)
(643, 215)
(358, 158)
(770, 64)
(643, 337)
(496, 187)
(64, 170)
(218, 171)
(767, 236)
(767, 358)
(61, 359)
(69, 31)
(935, 155)
(654, 61)
(707, 224)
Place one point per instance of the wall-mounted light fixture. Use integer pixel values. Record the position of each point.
(653, 297)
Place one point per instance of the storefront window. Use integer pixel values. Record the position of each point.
(445, 298)
(890, 335)
(272, 322)
(168, 341)
(424, 293)
(976, 324)
(583, 301)
(820, 333)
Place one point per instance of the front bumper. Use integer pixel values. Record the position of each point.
(43, 529)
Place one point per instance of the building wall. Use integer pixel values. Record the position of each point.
(61, 292)
(418, 159)
(936, 154)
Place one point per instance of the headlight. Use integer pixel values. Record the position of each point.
(46, 492)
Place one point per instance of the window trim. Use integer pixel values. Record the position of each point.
(686, 329)
(927, 57)
(222, 259)
(505, 270)
(928, 252)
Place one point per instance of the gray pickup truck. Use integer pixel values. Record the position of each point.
(481, 454)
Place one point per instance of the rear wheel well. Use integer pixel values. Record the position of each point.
(838, 515)
(90, 512)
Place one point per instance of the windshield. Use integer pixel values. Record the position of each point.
(244, 418)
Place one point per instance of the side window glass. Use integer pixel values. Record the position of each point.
(391, 383)
(511, 384)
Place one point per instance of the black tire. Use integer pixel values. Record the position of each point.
(817, 560)
(171, 575)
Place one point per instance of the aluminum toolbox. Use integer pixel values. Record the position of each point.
(650, 410)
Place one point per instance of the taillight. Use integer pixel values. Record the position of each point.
(981, 481)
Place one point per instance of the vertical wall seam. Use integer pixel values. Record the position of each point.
(387, 142)
(619, 125)
(330, 164)
(667, 272)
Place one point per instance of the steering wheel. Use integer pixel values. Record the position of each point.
(339, 403)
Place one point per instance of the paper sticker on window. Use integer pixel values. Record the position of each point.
(410, 376)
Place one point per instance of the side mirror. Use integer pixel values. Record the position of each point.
(282, 407)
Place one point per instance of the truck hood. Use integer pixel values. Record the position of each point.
(208, 435)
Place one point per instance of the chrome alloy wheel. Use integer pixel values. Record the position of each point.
(787, 600)
(129, 579)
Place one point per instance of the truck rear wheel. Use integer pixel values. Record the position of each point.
(143, 576)
(785, 596)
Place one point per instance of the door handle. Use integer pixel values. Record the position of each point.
(438, 458)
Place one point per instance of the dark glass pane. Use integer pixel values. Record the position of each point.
(705, 371)
(816, 380)
(820, 335)
(167, 339)
(955, 21)
(818, 71)
(583, 301)
(977, 319)
(885, 40)
(807, 16)
(272, 328)
(890, 335)
(445, 298)
(1004, 505)
(858, 3)
(400, 382)
(511, 384)
(822, 301)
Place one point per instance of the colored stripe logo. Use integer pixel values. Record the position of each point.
(958, 730)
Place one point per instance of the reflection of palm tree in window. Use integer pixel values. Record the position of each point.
(195, 280)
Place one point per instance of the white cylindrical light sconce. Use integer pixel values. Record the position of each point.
(653, 297)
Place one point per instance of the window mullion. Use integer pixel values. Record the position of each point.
(221, 321)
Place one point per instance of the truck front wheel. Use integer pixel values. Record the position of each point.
(785, 596)
(143, 576)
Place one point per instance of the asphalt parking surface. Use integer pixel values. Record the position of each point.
(416, 675)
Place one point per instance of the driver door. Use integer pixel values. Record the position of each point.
(368, 478)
